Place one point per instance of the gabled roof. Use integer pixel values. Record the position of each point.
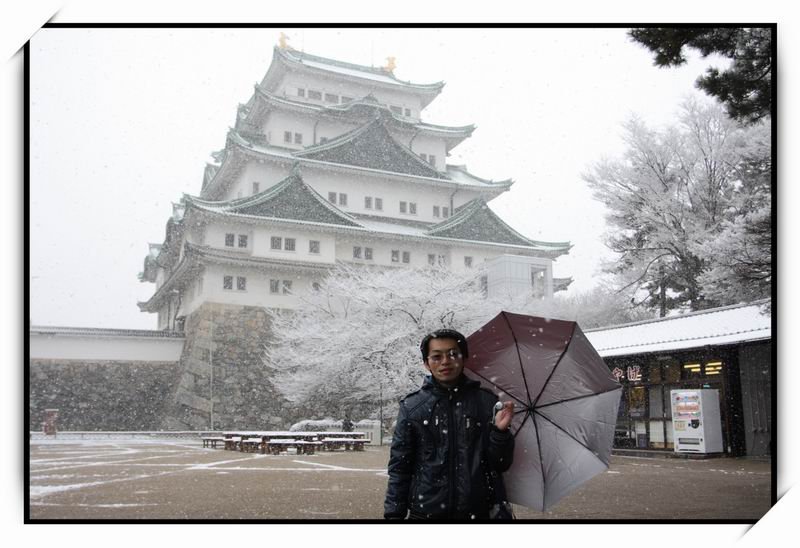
(291, 198)
(477, 222)
(364, 107)
(292, 59)
(713, 327)
(371, 146)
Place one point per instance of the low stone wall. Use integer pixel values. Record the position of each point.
(101, 395)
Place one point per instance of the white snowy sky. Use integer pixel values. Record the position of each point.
(123, 121)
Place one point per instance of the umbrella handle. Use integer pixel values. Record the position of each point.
(497, 407)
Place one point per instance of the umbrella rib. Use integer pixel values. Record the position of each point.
(541, 458)
(527, 414)
(571, 436)
(499, 387)
(550, 376)
(578, 397)
(519, 357)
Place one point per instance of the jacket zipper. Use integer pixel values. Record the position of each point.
(451, 430)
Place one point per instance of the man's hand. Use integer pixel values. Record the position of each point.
(502, 419)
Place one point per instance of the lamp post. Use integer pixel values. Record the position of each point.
(211, 372)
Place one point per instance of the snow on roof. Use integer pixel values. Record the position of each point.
(350, 71)
(459, 174)
(716, 326)
(392, 228)
(101, 332)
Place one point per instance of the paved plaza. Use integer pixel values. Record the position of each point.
(179, 479)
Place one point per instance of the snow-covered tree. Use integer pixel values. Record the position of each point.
(669, 199)
(740, 254)
(354, 341)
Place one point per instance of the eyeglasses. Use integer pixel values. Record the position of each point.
(439, 358)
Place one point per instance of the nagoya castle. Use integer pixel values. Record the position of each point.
(327, 162)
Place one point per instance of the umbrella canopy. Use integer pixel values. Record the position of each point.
(565, 402)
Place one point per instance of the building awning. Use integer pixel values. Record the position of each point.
(713, 327)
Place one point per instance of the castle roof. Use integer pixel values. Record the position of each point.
(475, 221)
(292, 201)
(371, 146)
(335, 155)
(195, 257)
(291, 198)
(289, 59)
(366, 107)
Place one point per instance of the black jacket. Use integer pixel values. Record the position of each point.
(443, 450)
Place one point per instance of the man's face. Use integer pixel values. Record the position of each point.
(444, 360)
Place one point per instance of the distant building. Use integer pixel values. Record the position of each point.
(728, 349)
(330, 161)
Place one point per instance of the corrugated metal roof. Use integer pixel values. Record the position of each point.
(716, 326)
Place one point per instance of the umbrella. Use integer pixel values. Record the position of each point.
(565, 402)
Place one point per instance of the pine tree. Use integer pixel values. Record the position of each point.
(745, 88)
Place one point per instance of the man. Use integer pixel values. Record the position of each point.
(449, 447)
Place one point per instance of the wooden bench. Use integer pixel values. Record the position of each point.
(274, 447)
(355, 444)
(250, 445)
(212, 441)
(232, 442)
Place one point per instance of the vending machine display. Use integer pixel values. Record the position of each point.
(696, 421)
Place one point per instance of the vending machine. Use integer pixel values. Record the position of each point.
(696, 421)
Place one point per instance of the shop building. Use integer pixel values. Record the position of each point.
(728, 349)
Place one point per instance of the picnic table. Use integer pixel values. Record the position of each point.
(212, 441)
(273, 442)
(348, 443)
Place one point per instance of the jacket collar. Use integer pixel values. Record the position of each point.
(463, 383)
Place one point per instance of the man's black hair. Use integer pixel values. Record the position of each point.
(460, 339)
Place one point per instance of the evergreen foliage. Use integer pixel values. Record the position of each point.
(745, 88)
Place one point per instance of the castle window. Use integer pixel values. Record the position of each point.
(323, 140)
(287, 136)
(407, 112)
(274, 286)
(379, 204)
(287, 287)
(313, 246)
(412, 208)
(436, 211)
(431, 259)
(396, 110)
(342, 199)
(395, 255)
(227, 282)
(346, 99)
(242, 240)
(301, 92)
(356, 252)
(424, 157)
(403, 207)
(332, 197)
(406, 257)
(298, 138)
(468, 261)
(432, 160)
(316, 95)
(331, 98)
(229, 239)
(276, 242)
(241, 283)
(367, 202)
(368, 253)
(256, 187)
(288, 244)
(445, 212)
